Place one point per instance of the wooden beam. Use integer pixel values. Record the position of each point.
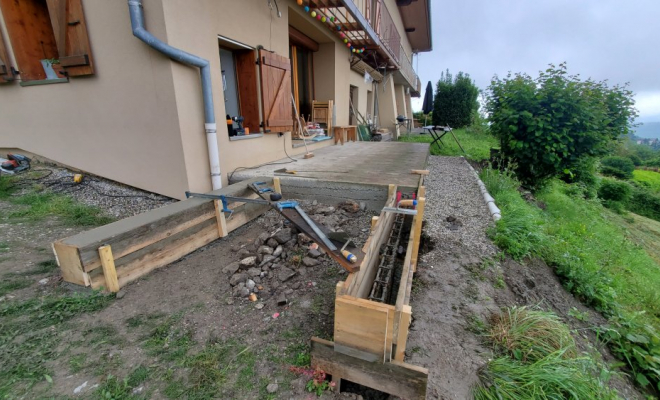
(277, 185)
(395, 378)
(109, 271)
(220, 219)
(374, 222)
(420, 171)
(418, 221)
(405, 316)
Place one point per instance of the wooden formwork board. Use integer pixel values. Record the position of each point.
(154, 239)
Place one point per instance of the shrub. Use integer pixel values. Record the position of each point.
(550, 124)
(645, 203)
(618, 167)
(455, 100)
(613, 190)
(529, 335)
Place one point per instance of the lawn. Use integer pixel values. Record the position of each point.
(649, 179)
(477, 145)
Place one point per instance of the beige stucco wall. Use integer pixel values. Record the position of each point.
(120, 123)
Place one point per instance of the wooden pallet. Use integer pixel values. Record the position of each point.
(370, 337)
(113, 255)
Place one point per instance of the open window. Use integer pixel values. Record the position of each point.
(49, 38)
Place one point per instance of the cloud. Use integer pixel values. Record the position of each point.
(600, 39)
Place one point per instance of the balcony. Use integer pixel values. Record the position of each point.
(408, 72)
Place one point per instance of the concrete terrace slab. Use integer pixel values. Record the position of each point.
(359, 171)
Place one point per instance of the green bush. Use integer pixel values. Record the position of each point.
(455, 100)
(612, 190)
(618, 167)
(550, 124)
(645, 203)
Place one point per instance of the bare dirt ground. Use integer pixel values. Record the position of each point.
(185, 331)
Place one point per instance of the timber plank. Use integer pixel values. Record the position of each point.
(109, 270)
(396, 378)
(362, 327)
(69, 261)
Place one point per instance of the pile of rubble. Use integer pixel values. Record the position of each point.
(263, 267)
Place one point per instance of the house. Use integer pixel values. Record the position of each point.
(90, 84)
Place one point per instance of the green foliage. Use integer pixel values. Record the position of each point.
(6, 186)
(114, 389)
(615, 194)
(42, 205)
(477, 143)
(644, 202)
(455, 100)
(553, 377)
(618, 167)
(550, 124)
(530, 335)
(639, 154)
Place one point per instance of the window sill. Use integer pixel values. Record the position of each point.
(44, 82)
(245, 137)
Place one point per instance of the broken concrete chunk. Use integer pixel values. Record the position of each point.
(283, 235)
(281, 299)
(325, 210)
(254, 272)
(285, 274)
(267, 260)
(272, 388)
(242, 253)
(237, 278)
(249, 261)
(265, 250)
(250, 284)
(314, 253)
(263, 238)
(231, 268)
(272, 243)
(310, 262)
(278, 251)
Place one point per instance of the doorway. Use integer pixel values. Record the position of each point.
(352, 105)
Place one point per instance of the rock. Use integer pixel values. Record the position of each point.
(296, 285)
(288, 291)
(267, 260)
(302, 271)
(231, 268)
(285, 274)
(250, 284)
(241, 291)
(252, 297)
(310, 262)
(266, 267)
(283, 235)
(265, 250)
(290, 244)
(80, 388)
(272, 388)
(363, 205)
(325, 210)
(230, 302)
(278, 251)
(275, 266)
(259, 306)
(257, 279)
(263, 274)
(249, 261)
(281, 299)
(272, 243)
(314, 253)
(242, 253)
(120, 294)
(43, 281)
(263, 238)
(236, 278)
(314, 203)
(254, 272)
(350, 206)
(304, 239)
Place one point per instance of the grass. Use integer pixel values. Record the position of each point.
(650, 179)
(641, 230)
(595, 259)
(536, 359)
(42, 205)
(477, 145)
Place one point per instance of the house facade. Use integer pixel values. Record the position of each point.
(77, 87)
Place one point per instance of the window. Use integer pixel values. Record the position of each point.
(301, 51)
(49, 38)
(243, 69)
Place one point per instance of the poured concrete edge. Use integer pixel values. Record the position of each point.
(494, 211)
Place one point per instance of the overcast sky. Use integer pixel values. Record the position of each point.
(618, 40)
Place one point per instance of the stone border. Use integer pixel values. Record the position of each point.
(494, 211)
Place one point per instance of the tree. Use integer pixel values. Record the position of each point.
(618, 167)
(455, 100)
(550, 126)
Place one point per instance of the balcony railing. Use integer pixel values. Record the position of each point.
(407, 69)
(380, 19)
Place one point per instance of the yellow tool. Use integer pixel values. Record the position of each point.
(77, 178)
(347, 254)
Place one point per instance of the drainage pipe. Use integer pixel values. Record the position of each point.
(137, 23)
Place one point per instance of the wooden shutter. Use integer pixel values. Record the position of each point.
(275, 92)
(6, 74)
(70, 29)
(248, 93)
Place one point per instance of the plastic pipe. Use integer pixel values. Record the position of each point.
(137, 23)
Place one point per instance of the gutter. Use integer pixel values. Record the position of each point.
(137, 23)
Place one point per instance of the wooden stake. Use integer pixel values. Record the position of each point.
(419, 219)
(402, 334)
(109, 271)
(220, 218)
(276, 185)
(374, 221)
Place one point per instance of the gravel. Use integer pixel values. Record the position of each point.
(456, 214)
(114, 198)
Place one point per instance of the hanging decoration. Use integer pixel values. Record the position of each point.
(318, 15)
